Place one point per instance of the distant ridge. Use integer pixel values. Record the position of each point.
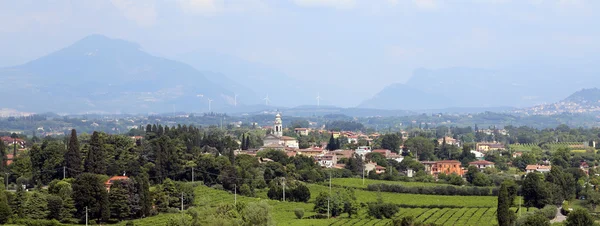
(101, 74)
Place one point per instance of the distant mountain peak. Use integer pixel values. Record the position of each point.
(591, 95)
(100, 41)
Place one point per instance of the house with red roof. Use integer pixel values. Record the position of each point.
(538, 168)
(112, 180)
(482, 164)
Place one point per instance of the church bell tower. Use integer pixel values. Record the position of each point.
(277, 126)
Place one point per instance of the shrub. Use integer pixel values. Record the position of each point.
(31, 222)
(380, 210)
(549, 211)
(299, 213)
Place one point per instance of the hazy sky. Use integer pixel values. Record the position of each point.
(362, 43)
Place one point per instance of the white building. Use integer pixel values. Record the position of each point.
(363, 150)
(277, 137)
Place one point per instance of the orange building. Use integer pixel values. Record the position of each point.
(448, 167)
(445, 166)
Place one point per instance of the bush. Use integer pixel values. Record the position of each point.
(30, 222)
(299, 213)
(549, 211)
(380, 210)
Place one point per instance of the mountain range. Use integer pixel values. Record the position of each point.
(582, 101)
(99, 74)
(105, 75)
(519, 86)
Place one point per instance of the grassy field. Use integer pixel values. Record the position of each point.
(412, 199)
(472, 210)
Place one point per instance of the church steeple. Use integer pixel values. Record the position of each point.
(277, 126)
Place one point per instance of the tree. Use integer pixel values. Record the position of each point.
(421, 147)
(120, 200)
(142, 187)
(504, 215)
(257, 213)
(55, 207)
(14, 136)
(535, 191)
(96, 160)
(535, 220)
(579, 217)
(391, 142)
(89, 192)
(332, 144)
(73, 155)
(36, 206)
(5, 211)
(471, 172)
(481, 180)
(3, 157)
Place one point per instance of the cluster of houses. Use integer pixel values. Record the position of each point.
(329, 159)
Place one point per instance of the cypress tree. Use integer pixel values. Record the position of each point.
(331, 144)
(95, 161)
(247, 142)
(3, 158)
(14, 137)
(5, 211)
(504, 215)
(143, 189)
(73, 155)
(243, 143)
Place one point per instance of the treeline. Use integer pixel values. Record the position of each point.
(435, 190)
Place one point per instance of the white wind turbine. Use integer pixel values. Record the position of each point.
(267, 100)
(318, 99)
(235, 100)
(209, 102)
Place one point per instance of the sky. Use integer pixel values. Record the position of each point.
(363, 44)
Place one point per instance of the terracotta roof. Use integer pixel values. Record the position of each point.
(481, 162)
(115, 178)
(291, 153)
(300, 129)
(448, 161)
(379, 167)
(535, 167)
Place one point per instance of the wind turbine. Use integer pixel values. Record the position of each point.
(209, 102)
(318, 99)
(266, 100)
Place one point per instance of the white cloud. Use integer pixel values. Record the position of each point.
(426, 4)
(142, 12)
(207, 7)
(213, 7)
(338, 4)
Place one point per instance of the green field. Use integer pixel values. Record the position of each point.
(473, 210)
(412, 199)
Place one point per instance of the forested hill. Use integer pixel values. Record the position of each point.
(585, 96)
(100, 74)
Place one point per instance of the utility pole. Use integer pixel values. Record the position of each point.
(283, 188)
(64, 172)
(181, 201)
(7, 179)
(192, 174)
(86, 216)
(363, 173)
(329, 197)
(235, 194)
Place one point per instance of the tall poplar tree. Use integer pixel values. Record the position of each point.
(505, 216)
(3, 157)
(73, 156)
(96, 161)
